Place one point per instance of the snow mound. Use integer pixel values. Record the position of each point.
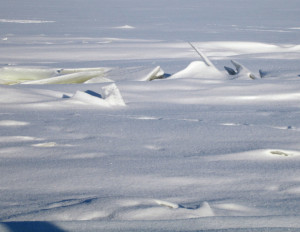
(198, 69)
(95, 209)
(125, 27)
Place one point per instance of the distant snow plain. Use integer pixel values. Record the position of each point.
(88, 143)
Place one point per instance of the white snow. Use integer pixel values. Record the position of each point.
(24, 21)
(140, 128)
(198, 69)
(10, 123)
(125, 27)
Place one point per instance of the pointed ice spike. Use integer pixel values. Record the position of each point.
(237, 66)
(252, 76)
(230, 71)
(113, 96)
(203, 57)
(262, 74)
(156, 73)
(242, 70)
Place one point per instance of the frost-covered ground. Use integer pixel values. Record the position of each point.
(199, 150)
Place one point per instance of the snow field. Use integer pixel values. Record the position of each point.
(124, 118)
(152, 126)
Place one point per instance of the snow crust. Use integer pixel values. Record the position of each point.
(140, 127)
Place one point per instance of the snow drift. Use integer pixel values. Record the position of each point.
(198, 69)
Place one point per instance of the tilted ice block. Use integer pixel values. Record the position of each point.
(156, 73)
(72, 78)
(240, 72)
(110, 96)
(113, 96)
(15, 75)
(28, 75)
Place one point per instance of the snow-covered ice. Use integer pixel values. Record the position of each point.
(120, 116)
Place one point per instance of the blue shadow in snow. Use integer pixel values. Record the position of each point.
(30, 227)
(90, 92)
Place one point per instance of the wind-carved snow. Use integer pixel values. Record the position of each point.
(233, 208)
(49, 144)
(12, 123)
(125, 27)
(235, 48)
(25, 21)
(18, 138)
(165, 211)
(136, 209)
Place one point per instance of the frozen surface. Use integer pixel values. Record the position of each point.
(88, 143)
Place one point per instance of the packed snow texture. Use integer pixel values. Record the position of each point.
(132, 115)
